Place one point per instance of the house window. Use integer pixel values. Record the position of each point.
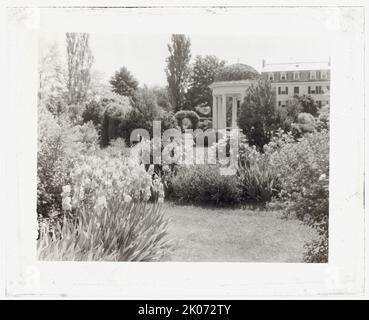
(279, 103)
(318, 89)
(283, 76)
(282, 90)
(312, 75)
(296, 75)
(324, 75)
(296, 90)
(311, 90)
(270, 76)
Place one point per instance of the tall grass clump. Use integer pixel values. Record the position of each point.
(118, 231)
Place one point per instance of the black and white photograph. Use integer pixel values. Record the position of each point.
(154, 138)
(180, 189)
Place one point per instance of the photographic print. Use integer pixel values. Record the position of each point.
(182, 147)
(186, 152)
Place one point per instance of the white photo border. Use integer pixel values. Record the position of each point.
(344, 274)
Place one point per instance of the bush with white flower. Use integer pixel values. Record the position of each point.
(303, 172)
(108, 215)
(95, 204)
(97, 176)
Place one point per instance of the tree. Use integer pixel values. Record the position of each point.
(203, 74)
(79, 60)
(178, 69)
(309, 105)
(288, 115)
(51, 80)
(305, 123)
(116, 109)
(124, 83)
(162, 97)
(94, 112)
(259, 117)
(145, 102)
(98, 86)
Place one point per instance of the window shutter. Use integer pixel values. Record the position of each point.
(309, 89)
(279, 90)
(286, 90)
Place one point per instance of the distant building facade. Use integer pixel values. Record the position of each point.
(287, 79)
(297, 79)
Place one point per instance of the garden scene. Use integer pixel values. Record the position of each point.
(98, 199)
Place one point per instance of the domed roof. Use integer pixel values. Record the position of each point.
(236, 72)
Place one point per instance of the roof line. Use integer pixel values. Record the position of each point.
(278, 63)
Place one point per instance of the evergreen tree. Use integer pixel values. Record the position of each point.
(123, 83)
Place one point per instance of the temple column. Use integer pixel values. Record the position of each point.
(215, 112)
(234, 112)
(223, 122)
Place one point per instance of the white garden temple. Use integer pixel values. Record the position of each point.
(229, 90)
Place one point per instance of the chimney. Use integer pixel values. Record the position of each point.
(263, 63)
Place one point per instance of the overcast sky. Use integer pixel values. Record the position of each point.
(144, 55)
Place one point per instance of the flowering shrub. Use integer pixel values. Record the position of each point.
(107, 214)
(322, 122)
(203, 184)
(303, 172)
(52, 164)
(60, 144)
(99, 179)
(80, 139)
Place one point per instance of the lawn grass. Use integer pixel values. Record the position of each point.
(234, 235)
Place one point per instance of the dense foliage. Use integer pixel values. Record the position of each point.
(187, 119)
(308, 105)
(94, 204)
(259, 117)
(123, 83)
(116, 110)
(203, 72)
(203, 184)
(107, 216)
(59, 142)
(303, 171)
